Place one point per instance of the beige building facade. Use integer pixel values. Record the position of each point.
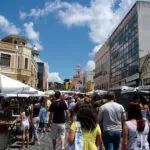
(16, 60)
(102, 68)
(145, 70)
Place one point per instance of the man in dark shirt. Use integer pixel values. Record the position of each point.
(58, 112)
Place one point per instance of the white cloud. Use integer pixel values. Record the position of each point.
(23, 15)
(94, 51)
(54, 77)
(32, 35)
(99, 17)
(8, 27)
(90, 65)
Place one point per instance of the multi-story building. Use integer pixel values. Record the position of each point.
(145, 70)
(43, 70)
(102, 68)
(76, 81)
(16, 60)
(88, 80)
(129, 45)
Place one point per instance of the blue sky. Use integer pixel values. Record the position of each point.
(69, 32)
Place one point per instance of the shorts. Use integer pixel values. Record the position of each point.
(25, 125)
(58, 130)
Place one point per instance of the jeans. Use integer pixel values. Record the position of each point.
(111, 140)
(36, 121)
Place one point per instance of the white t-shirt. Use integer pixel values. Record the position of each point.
(111, 115)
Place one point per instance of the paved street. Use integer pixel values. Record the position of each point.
(45, 139)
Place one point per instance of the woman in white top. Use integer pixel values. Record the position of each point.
(25, 126)
(135, 130)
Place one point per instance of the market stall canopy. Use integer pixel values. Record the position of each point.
(50, 92)
(90, 93)
(38, 94)
(101, 92)
(17, 95)
(30, 91)
(11, 86)
(129, 90)
(144, 87)
(122, 88)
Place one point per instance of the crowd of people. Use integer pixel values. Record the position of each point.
(34, 116)
(94, 124)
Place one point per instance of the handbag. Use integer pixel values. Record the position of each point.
(78, 142)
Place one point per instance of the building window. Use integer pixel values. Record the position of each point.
(26, 63)
(15, 42)
(5, 60)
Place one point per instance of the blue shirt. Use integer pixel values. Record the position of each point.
(43, 115)
(72, 105)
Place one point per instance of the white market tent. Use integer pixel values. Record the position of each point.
(30, 91)
(50, 92)
(122, 88)
(38, 94)
(101, 92)
(90, 93)
(17, 95)
(129, 90)
(11, 86)
(144, 87)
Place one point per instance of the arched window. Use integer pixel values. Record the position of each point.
(15, 42)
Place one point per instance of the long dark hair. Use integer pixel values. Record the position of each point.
(87, 117)
(134, 112)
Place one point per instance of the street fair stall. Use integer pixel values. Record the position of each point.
(8, 123)
(14, 95)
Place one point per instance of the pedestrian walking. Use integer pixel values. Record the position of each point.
(71, 107)
(111, 116)
(47, 104)
(91, 131)
(42, 115)
(24, 116)
(58, 109)
(36, 120)
(135, 130)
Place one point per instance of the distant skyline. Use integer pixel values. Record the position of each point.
(68, 32)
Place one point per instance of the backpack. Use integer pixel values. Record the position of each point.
(141, 139)
(78, 142)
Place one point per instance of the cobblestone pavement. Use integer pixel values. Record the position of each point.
(45, 143)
